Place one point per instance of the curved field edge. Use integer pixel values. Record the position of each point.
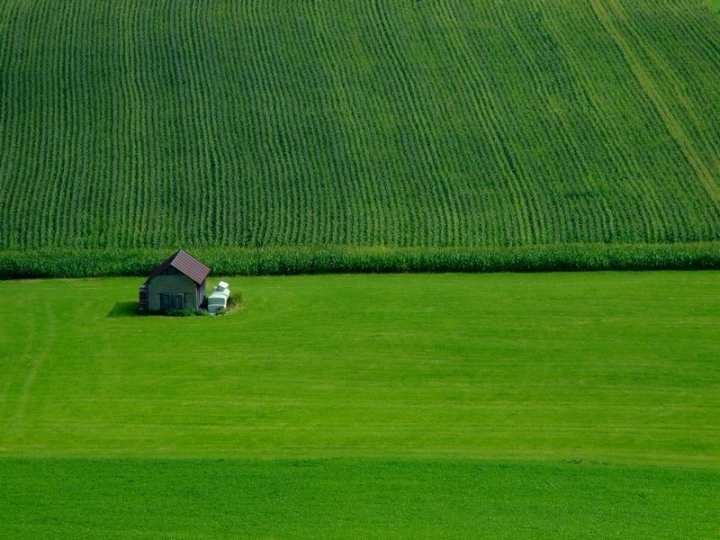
(101, 498)
(337, 260)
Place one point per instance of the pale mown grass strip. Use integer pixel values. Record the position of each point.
(618, 368)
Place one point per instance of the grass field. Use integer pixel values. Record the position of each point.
(358, 499)
(394, 123)
(389, 406)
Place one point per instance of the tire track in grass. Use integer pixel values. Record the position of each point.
(646, 82)
(38, 356)
(23, 357)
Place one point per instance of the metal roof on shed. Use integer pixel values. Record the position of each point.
(185, 263)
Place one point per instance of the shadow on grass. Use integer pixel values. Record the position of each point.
(123, 309)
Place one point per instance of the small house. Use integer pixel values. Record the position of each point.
(178, 283)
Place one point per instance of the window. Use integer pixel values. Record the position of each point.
(166, 301)
(172, 301)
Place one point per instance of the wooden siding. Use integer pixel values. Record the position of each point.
(175, 283)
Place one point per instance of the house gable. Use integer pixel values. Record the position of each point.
(184, 263)
(179, 282)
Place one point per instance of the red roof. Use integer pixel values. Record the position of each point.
(185, 263)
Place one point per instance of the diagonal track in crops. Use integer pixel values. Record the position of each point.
(646, 82)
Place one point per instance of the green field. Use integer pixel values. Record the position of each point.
(319, 137)
(389, 406)
(395, 123)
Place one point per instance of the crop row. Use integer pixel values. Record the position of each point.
(406, 124)
(290, 261)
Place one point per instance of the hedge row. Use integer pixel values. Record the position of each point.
(290, 261)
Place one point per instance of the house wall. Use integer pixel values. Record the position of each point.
(172, 284)
(201, 293)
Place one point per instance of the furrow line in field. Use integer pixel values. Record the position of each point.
(75, 66)
(357, 157)
(513, 208)
(305, 177)
(177, 200)
(345, 130)
(191, 42)
(645, 80)
(227, 203)
(212, 77)
(512, 125)
(679, 99)
(102, 116)
(17, 97)
(462, 194)
(420, 158)
(569, 37)
(374, 128)
(389, 188)
(9, 184)
(56, 106)
(272, 194)
(35, 110)
(274, 191)
(335, 195)
(129, 101)
(490, 168)
(523, 47)
(187, 196)
(245, 184)
(573, 32)
(30, 121)
(608, 132)
(255, 200)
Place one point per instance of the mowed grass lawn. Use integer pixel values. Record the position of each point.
(390, 406)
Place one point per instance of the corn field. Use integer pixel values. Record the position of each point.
(151, 124)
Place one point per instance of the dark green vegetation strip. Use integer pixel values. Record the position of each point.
(329, 260)
(472, 123)
(361, 499)
(618, 368)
